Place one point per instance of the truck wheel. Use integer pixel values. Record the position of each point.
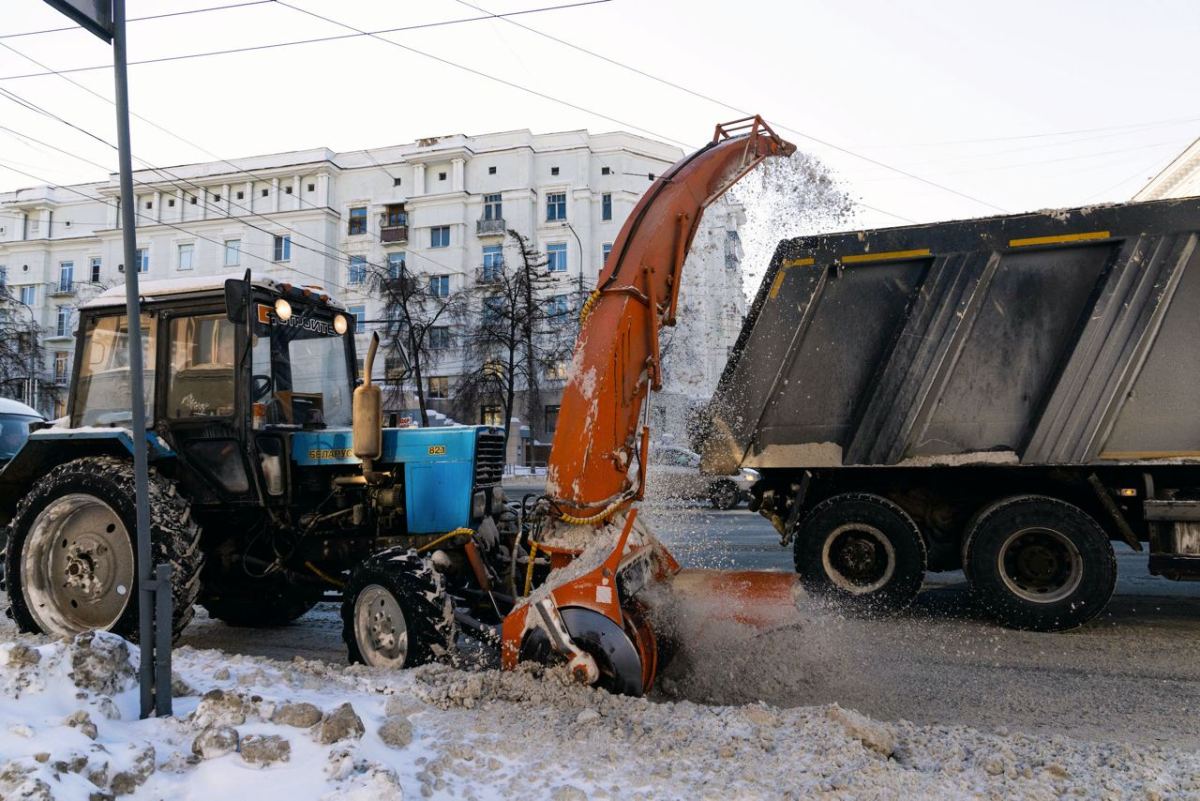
(395, 611)
(723, 494)
(70, 563)
(1040, 564)
(861, 549)
(257, 602)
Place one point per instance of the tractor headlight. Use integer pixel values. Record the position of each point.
(479, 504)
(339, 324)
(283, 310)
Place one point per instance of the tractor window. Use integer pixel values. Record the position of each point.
(102, 395)
(200, 378)
(300, 374)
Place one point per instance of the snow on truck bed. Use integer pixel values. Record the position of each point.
(265, 730)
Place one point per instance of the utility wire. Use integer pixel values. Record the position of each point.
(143, 19)
(732, 107)
(297, 42)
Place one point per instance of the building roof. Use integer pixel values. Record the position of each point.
(1180, 178)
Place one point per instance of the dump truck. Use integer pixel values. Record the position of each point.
(1006, 395)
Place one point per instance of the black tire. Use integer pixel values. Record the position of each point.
(1040, 564)
(419, 592)
(861, 550)
(174, 535)
(257, 602)
(723, 494)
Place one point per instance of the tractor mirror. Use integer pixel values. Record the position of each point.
(236, 298)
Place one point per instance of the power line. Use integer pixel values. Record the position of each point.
(732, 107)
(1048, 134)
(143, 19)
(297, 42)
(480, 74)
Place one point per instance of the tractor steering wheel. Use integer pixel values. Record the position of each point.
(261, 386)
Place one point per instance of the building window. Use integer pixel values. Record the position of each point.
(439, 236)
(395, 181)
(651, 176)
(3, 279)
(95, 269)
(395, 216)
(557, 307)
(605, 171)
(264, 192)
(186, 252)
(61, 363)
(439, 387)
(606, 206)
(439, 338)
(358, 221)
(217, 197)
(66, 276)
(63, 326)
(240, 196)
(192, 200)
(556, 257)
(233, 252)
(171, 203)
(556, 206)
(551, 419)
(441, 176)
(493, 262)
(312, 187)
(287, 190)
(395, 262)
(605, 249)
(358, 270)
(439, 286)
(28, 295)
(491, 415)
(493, 310)
(394, 368)
(733, 249)
(360, 318)
(283, 248)
(143, 260)
(491, 170)
(554, 170)
(557, 371)
(493, 209)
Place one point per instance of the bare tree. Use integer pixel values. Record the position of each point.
(518, 335)
(23, 372)
(418, 314)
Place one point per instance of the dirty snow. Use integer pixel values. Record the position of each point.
(437, 732)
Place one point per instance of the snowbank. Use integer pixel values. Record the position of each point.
(253, 728)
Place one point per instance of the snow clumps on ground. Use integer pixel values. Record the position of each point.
(253, 728)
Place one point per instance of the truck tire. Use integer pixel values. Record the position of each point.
(395, 611)
(862, 550)
(70, 564)
(723, 494)
(257, 602)
(1040, 564)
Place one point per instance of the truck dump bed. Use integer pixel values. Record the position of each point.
(1069, 337)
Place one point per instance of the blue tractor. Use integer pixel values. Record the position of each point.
(268, 493)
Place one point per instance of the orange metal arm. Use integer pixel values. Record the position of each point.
(616, 358)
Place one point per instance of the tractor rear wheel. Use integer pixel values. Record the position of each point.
(71, 560)
(395, 611)
(861, 550)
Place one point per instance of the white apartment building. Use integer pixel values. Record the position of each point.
(440, 206)
(1180, 178)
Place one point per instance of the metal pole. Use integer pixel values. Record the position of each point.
(146, 593)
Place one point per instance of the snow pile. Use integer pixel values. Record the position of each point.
(254, 728)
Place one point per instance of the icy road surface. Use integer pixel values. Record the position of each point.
(1130, 676)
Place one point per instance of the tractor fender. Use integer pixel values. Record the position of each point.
(50, 447)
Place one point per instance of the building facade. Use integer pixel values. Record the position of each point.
(1180, 178)
(439, 207)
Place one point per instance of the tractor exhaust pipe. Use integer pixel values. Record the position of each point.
(368, 414)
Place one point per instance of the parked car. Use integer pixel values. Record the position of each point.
(15, 421)
(675, 473)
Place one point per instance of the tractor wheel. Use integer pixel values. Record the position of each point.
(70, 563)
(395, 611)
(723, 494)
(1040, 564)
(257, 602)
(861, 550)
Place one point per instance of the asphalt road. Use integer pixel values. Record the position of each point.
(1131, 675)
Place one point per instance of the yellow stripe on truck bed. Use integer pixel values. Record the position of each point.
(1057, 240)
(887, 255)
(783, 268)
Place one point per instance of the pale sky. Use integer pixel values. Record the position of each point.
(1022, 105)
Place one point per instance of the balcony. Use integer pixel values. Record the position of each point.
(63, 289)
(489, 274)
(492, 227)
(393, 233)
